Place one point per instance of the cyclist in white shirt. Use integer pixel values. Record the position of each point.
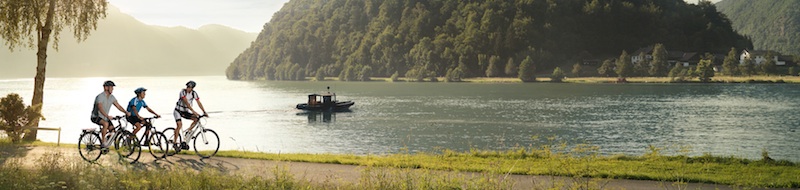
(102, 105)
(183, 109)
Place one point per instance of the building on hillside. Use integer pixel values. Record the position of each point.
(759, 57)
(683, 58)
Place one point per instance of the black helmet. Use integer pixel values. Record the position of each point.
(191, 84)
(109, 83)
(139, 90)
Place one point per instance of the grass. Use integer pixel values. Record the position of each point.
(716, 79)
(57, 171)
(414, 170)
(576, 163)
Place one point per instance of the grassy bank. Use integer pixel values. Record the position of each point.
(581, 161)
(718, 79)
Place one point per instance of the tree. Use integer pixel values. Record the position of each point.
(705, 70)
(677, 73)
(24, 21)
(395, 77)
(15, 118)
(527, 70)
(768, 67)
(558, 75)
(606, 68)
(320, 75)
(659, 65)
(576, 70)
(365, 74)
(454, 75)
(746, 68)
(511, 67)
(493, 70)
(729, 64)
(624, 66)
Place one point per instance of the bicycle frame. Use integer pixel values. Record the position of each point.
(198, 128)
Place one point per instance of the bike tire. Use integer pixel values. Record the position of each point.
(128, 147)
(211, 142)
(159, 145)
(89, 146)
(169, 132)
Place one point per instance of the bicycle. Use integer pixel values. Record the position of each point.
(155, 141)
(125, 143)
(209, 140)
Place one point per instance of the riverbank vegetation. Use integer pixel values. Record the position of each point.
(717, 79)
(577, 161)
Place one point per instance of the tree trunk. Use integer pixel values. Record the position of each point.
(41, 64)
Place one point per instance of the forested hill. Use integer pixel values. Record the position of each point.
(772, 25)
(428, 38)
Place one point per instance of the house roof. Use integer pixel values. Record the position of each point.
(645, 50)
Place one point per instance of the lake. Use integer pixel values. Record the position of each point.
(721, 119)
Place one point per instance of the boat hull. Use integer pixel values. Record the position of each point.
(337, 106)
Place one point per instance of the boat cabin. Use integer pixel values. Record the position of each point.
(324, 99)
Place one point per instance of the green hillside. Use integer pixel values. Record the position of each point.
(772, 25)
(350, 38)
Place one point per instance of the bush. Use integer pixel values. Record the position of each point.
(558, 75)
(16, 118)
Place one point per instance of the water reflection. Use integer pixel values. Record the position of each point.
(320, 116)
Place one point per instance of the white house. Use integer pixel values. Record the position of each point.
(759, 57)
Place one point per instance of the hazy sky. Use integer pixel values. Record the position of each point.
(247, 15)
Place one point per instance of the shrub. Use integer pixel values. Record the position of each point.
(16, 118)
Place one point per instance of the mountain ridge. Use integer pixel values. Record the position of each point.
(124, 46)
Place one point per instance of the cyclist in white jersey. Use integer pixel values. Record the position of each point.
(183, 109)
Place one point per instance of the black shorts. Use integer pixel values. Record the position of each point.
(96, 120)
(183, 114)
(133, 119)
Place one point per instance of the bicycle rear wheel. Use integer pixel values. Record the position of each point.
(169, 132)
(206, 143)
(89, 146)
(159, 145)
(128, 147)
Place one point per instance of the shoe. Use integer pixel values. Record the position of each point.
(184, 146)
(176, 147)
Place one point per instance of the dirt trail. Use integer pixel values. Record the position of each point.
(324, 173)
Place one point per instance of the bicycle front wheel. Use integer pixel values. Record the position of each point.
(206, 143)
(89, 146)
(128, 147)
(159, 145)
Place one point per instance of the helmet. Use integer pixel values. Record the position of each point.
(139, 90)
(109, 83)
(191, 84)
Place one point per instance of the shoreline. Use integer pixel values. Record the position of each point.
(758, 79)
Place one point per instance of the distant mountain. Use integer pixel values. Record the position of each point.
(772, 24)
(124, 46)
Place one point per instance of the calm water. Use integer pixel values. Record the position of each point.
(721, 119)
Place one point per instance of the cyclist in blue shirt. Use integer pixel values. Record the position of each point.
(136, 104)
